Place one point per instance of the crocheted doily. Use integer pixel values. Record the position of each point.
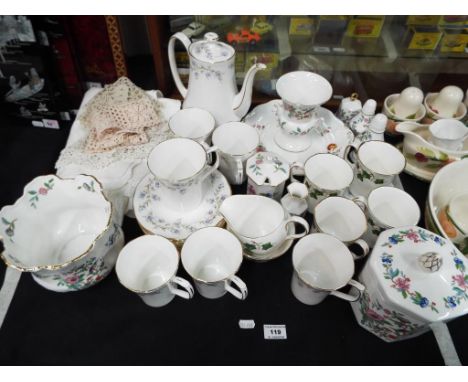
(119, 116)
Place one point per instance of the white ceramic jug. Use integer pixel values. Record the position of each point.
(212, 81)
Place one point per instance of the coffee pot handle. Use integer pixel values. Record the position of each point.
(187, 293)
(241, 294)
(349, 297)
(301, 221)
(172, 61)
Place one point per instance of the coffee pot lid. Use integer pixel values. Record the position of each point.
(421, 272)
(211, 50)
(267, 168)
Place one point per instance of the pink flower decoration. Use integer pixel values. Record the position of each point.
(374, 315)
(402, 283)
(460, 280)
(72, 279)
(413, 236)
(43, 191)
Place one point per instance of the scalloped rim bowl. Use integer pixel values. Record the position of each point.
(55, 223)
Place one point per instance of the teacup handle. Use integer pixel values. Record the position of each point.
(348, 297)
(241, 294)
(361, 201)
(365, 249)
(187, 293)
(239, 171)
(300, 167)
(209, 169)
(301, 221)
(347, 154)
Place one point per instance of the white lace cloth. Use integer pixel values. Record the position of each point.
(122, 168)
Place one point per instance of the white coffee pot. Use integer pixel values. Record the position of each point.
(212, 81)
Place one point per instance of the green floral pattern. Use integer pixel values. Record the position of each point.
(362, 175)
(402, 284)
(316, 193)
(387, 324)
(256, 167)
(254, 246)
(10, 228)
(42, 191)
(87, 186)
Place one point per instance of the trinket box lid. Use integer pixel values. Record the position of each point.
(421, 272)
(267, 168)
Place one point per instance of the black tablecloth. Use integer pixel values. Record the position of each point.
(109, 325)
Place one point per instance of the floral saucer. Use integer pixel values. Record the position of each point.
(332, 138)
(156, 218)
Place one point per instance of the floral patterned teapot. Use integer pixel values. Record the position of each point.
(415, 281)
(212, 81)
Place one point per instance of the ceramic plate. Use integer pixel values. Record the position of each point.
(154, 216)
(264, 119)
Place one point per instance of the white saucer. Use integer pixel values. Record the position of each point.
(264, 119)
(282, 249)
(156, 218)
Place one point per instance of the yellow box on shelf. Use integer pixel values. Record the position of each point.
(424, 40)
(454, 42)
(301, 26)
(422, 20)
(370, 27)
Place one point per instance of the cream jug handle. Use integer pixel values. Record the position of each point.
(209, 169)
(349, 297)
(300, 167)
(301, 221)
(239, 171)
(172, 61)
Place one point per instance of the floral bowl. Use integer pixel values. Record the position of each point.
(61, 230)
(451, 181)
(393, 119)
(432, 114)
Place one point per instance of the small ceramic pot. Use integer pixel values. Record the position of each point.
(212, 256)
(433, 114)
(181, 165)
(448, 134)
(267, 174)
(343, 219)
(193, 123)
(67, 227)
(349, 108)
(324, 175)
(147, 266)
(359, 124)
(295, 201)
(260, 223)
(394, 119)
(236, 142)
(386, 208)
(376, 165)
(322, 265)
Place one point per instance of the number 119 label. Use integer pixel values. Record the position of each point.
(274, 332)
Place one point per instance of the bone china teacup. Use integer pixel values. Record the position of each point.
(212, 256)
(377, 163)
(325, 175)
(236, 142)
(148, 267)
(193, 123)
(260, 223)
(344, 219)
(322, 265)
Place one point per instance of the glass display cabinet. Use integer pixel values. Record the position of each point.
(371, 55)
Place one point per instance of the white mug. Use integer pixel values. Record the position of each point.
(148, 267)
(325, 175)
(386, 208)
(344, 219)
(212, 256)
(322, 265)
(192, 123)
(236, 142)
(376, 165)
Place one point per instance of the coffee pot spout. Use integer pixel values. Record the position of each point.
(243, 99)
